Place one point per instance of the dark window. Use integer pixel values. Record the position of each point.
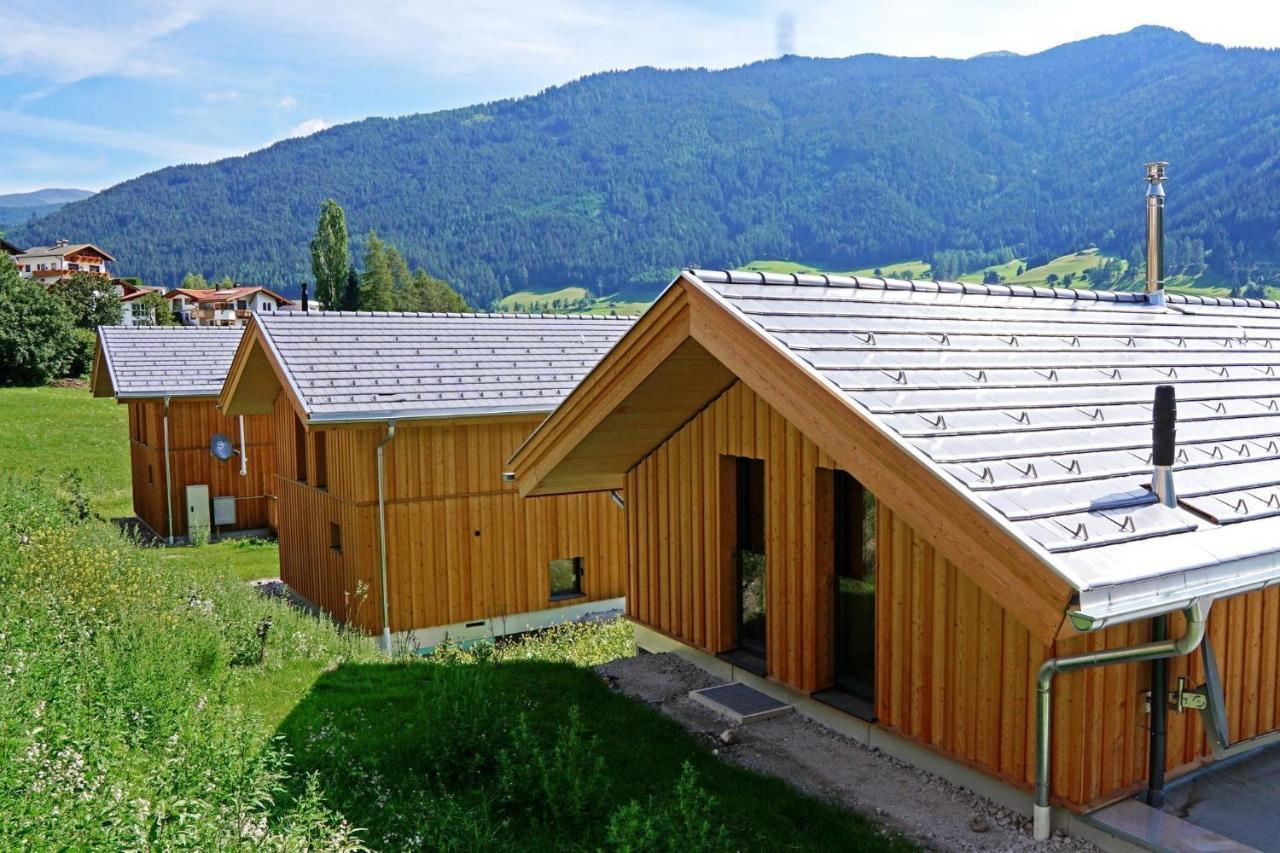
(566, 578)
(300, 449)
(854, 543)
(321, 461)
(335, 537)
(749, 556)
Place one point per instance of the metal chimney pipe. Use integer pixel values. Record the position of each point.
(1164, 423)
(1155, 232)
(306, 305)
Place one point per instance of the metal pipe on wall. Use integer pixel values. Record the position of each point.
(382, 536)
(1196, 614)
(168, 480)
(1159, 716)
(244, 451)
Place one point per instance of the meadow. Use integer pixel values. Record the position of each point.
(153, 700)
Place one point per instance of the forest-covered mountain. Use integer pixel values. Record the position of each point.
(619, 178)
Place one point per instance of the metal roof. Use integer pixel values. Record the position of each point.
(352, 366)
(1035, 404)
(168, 361)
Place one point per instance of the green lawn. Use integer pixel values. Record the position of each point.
(577, 300)
(56, 431)
(60, 430)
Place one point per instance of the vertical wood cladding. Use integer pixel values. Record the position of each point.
(192, 424)
(954, 670)
(461, 543)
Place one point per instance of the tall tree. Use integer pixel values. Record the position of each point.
(401, 281)
(434, 294)
(350, 300)
(330, 253)
(224, 283)
(377, 291)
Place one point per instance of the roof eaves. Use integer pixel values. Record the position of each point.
(427, 414)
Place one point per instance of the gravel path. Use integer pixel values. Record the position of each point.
(929, 810)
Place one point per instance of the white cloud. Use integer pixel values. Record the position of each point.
(308, 127)
(139, 142)
(38, 40)
(288, 102)
(221, 96)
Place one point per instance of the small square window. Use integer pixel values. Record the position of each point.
(566, 578)
(335, 537)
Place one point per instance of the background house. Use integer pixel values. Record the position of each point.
(391, 432)
(231, 306)
(51, 264)
(906, 498)
(169, 377)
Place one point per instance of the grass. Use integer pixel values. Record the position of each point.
(577, 300)
(59, 430)
(153, 700)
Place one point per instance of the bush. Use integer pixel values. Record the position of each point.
(83, 343)
(36, 342)
(118, 729)
(684, 823)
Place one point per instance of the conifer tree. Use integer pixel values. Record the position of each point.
(350, 300)
(377, 290)
(401, 281)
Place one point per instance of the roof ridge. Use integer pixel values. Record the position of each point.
(966, 287)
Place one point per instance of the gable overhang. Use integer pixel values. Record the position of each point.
(101, 379)
(684, 352)
(256, 377)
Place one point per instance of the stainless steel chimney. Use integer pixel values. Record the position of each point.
(1155, 232)
(1164, 428)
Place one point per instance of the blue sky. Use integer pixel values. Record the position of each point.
(92, 93)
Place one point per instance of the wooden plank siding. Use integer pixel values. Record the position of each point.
(955, 671)
(461, 543)
(192, 424)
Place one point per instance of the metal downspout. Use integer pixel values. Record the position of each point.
(382, 536)
(1196, 614)
(168, 480)
(1159, 717)
(244, 451)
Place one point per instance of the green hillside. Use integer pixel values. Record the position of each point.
(611, 182)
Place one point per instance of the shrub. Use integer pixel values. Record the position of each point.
(684, 823)
(36, 343)
(83, 343)
(557, 778)
(118, 729)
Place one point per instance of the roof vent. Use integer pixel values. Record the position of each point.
(1155, 232)
(1164, 423)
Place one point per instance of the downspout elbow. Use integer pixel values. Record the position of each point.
(1196, 613)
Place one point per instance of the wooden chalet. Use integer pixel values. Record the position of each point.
(392, 431)
(169, 377)
(929, 504)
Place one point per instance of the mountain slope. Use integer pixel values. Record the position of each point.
(20, 207)
(619, 178)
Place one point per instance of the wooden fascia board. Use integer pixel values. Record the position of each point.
(1005, 568)
(654, 337)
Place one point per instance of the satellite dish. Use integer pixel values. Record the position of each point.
(221, 447)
